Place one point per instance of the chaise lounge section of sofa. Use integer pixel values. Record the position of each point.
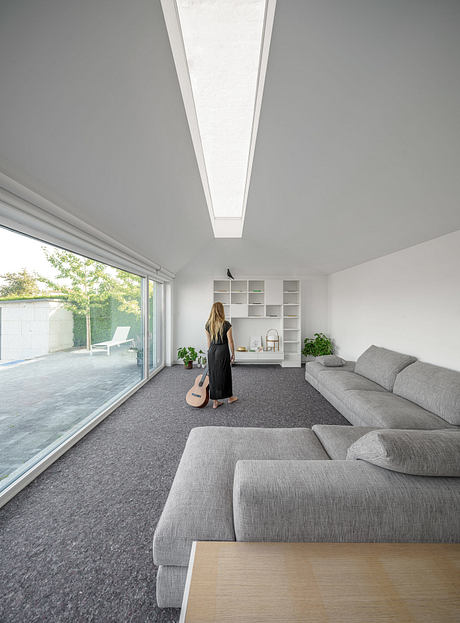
(254, 484)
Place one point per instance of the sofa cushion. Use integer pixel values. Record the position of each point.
(337, 439)
(382, 365)
(338, 382)
(386, 410)
(342, 501)
(199, 505)
(330, 361)
(417, 452)
(433, 388)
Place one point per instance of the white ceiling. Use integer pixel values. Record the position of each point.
(358, 147)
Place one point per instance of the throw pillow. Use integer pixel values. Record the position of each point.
(418, 452)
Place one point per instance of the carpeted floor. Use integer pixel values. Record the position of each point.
(76, 544)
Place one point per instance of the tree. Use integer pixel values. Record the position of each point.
(85, 282)
(126, 290)
(21, 283)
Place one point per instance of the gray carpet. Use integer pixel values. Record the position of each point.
(76, 545)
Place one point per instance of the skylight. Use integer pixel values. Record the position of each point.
(222, 45)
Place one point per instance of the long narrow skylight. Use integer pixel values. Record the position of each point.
(223, 46)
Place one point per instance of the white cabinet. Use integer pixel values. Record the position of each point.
(239, 310)
(273, 291)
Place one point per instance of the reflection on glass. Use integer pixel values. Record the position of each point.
(71, 344)
(155, 325)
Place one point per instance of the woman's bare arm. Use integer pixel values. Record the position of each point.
(208, 337)
(231, 343)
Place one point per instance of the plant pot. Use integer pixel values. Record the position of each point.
(188, 365)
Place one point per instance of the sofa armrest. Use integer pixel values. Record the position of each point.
(341, 501)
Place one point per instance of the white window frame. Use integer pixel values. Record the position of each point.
(26, 212)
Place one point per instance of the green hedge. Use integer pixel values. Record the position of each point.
(104, 320)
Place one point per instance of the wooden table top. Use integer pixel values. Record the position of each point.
(232, 582)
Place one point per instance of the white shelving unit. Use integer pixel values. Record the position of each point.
(254, 306)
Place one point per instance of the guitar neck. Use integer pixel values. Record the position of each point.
(203, 377)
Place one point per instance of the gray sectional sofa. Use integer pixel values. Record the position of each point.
(390, 390)
(297, 484)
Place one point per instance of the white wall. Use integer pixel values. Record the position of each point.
(34, 328)
(193, 299)
(408, 301)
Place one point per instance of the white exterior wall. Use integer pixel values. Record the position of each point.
(34, 328)
(408, 301)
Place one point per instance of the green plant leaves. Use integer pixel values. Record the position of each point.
(318, 345)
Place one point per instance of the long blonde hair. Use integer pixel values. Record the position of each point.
(216, 320)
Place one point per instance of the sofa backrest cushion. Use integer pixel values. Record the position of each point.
(330, 361)
(433, 388)
(418, 452)
(382, 365)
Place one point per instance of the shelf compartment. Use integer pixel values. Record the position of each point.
(290, 298)
(221, 285)
(291, 324)
(256, 297)
(273, 311)
(239, 297)
(223, 297)
(290, 285)
(239, 286)
(256, 284)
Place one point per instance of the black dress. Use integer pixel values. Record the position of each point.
(220, 368)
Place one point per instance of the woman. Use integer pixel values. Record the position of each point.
(219, 336)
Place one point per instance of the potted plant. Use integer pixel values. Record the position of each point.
(188, 356)
(201, 359)
(318, 345)
(139, 350)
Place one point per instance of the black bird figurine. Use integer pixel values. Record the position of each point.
(229, 274)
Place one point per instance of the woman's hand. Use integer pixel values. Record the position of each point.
(232, 358)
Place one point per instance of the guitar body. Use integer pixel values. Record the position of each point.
(198, 395)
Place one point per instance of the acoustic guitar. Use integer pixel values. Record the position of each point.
(198, 395)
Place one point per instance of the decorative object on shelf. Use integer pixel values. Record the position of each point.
(229, 274)
(318, 345)
(188, 356)
(255, 342)
(242, 349)
(272, 340)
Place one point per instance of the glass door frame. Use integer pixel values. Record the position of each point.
(148, 374)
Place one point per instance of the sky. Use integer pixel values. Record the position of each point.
(18, 251)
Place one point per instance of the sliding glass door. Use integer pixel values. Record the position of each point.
(72, 344)
(155, 325)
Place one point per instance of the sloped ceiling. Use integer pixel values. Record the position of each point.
(358, 147)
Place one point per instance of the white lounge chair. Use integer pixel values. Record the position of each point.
(119, 337)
